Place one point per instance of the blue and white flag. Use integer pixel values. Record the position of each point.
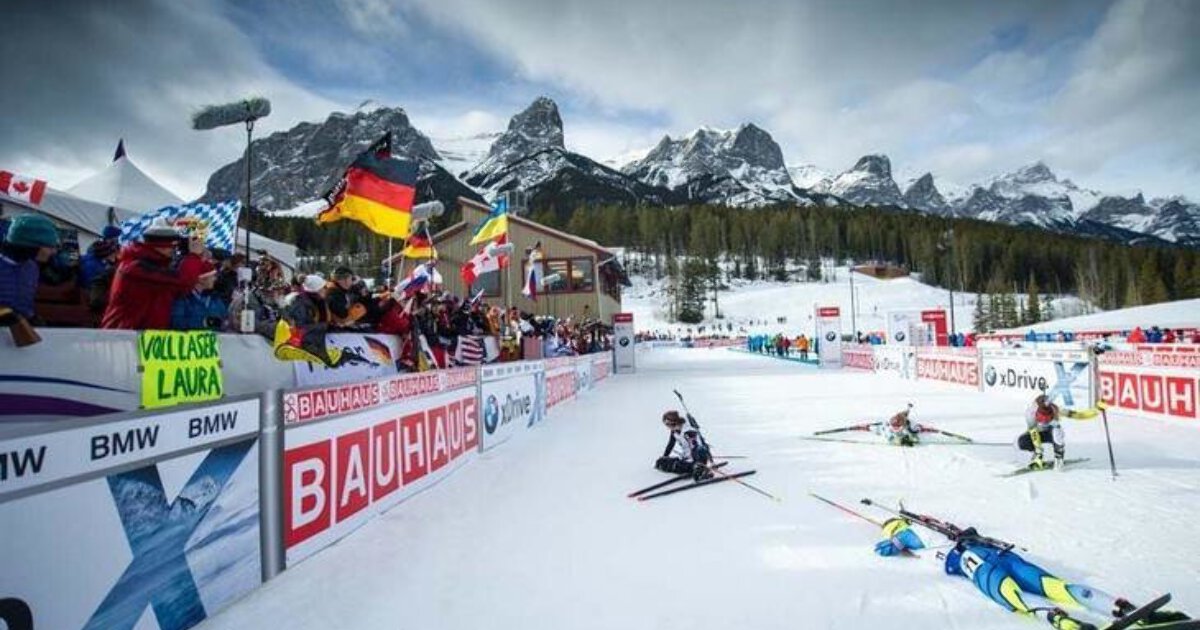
(216, 221)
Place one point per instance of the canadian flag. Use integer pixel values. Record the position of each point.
(22, 188)
(480, 263)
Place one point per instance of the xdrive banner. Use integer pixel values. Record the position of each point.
(112, 539)
(1064, 375)
(508, 399)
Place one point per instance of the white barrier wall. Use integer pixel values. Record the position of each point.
(1064, 375)
(508, 400)
(147, 520)
(896, 360)
(1152, 381)
(348, 463)
(861, 357)
(949, 365)
(560, 381)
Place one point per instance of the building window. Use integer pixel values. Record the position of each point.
(575, 275)
(489, 283)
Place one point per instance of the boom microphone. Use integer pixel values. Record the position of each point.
(428, 209)
(247, 110)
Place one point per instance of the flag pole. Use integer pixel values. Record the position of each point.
(388, 271)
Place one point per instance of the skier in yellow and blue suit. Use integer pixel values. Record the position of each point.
(1003, 575)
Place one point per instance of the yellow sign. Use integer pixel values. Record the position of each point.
(179, 366)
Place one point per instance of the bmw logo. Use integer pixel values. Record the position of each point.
(624, 341)
(900, 335)
(989, 375)
(830, 336)
(491, 414)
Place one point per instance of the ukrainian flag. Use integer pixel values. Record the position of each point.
(495, 225)
(378, 192)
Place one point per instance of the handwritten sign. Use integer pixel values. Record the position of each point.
(179, 366)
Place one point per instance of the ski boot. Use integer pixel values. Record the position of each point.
(700, 472)
(1059, 459)
(1037, 463)
(1061, 620)
(1124, 607)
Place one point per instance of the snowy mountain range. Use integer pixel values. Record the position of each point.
(743, 167)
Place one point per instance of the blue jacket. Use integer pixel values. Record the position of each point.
(191, 311)
(18, 284)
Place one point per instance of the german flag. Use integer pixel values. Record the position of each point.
(419, 244)
(376, 191)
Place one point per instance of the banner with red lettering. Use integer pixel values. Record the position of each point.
(560, 380)
(861, 357)
(951, 366)
(340, 473)
(1152, 381)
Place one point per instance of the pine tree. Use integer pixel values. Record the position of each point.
(1033, 305)
(692, 292)
(981, 319)
(1150, 282)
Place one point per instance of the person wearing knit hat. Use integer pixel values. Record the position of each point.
(31, 241)
(148, 281)
(96, 270)
(308, 307)
(202, 308)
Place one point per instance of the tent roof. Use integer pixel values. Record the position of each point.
(123, 185)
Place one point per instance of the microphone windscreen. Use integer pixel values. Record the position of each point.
(215, 116)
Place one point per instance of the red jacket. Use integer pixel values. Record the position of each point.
(145, 286)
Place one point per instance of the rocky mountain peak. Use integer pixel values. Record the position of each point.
(924, 195)
(756, 146)
(1034, 173)
(876, 164)
(538, 126)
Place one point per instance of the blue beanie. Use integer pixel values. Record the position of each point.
(110, 232)
(32, 230)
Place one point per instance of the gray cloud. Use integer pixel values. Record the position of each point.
(83, 74)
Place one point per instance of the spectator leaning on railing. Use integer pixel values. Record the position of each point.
(31, 241)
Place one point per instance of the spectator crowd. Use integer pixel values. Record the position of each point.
(168, 281)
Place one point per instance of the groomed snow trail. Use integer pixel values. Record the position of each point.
(538, 533)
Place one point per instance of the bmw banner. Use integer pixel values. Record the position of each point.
(508, 401)
(829, 336)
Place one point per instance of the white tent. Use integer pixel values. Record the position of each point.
(123, 185)
(122, 191)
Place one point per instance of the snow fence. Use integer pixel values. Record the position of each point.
(162, 518)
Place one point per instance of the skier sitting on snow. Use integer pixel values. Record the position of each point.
(1042, 422)
(691, 452)
(900, 429)
(1002, 575)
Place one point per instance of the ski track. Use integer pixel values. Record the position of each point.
(538, 533)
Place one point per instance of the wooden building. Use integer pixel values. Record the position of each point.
(590, 276)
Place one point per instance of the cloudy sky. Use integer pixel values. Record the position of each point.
(1106, 93)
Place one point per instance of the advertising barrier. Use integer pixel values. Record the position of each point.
(861, 357)
(898, 360)
(1160, 381)
(560, 381)
(583, 374)
(367, 357)
(1065, 376)
(624, 343)
(83, 373)
(960, 367)
(601, 366)
(339, 471)
(149, 521)
(829, 336)
(508, 400)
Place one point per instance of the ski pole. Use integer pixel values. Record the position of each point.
(954, 435)
(846, 509)
(1112, 462)
(691, 419)
(751, 487)
(854, 427)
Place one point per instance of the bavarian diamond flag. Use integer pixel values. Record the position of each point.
(215, 222)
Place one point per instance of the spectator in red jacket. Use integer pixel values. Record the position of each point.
(1137, 336)
(148, 282)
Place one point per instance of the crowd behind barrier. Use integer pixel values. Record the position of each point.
(179, 513)
(169, 281)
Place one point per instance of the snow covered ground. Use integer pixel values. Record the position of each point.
(768, 300)
(538, 533)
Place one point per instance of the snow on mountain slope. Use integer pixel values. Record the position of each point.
(868, 182)
(761, 300)
(808, 175)
(461, 153)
